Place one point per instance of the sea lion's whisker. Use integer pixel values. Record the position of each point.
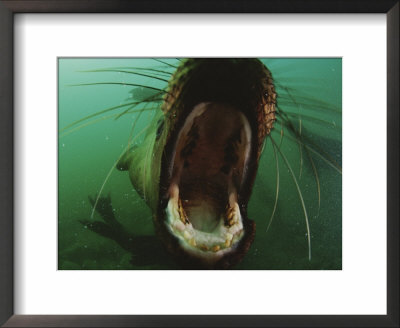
(294, 83)
(325, 157)
(97, 114)
(298, 131)
(310, 118)
(154, 70)
(118, 83)
(99, 120)
(282, 134)
(277, 187)
(312, 105)
(127, 72)
(164, 62)
(111, 170)
(316, 178)
(87, 124)
(129, 110)
(299, 140)
(131, 139)
(300, 196)
(146, 101)
(301, 153)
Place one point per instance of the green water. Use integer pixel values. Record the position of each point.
(309, 91)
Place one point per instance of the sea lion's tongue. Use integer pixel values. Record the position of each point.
(210, 156)
(204, 202)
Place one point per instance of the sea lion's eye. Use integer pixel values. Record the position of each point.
(160, 128)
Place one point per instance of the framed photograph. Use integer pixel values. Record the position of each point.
(163, 163)
(205, 168)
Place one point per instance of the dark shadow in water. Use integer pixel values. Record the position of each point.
(139, 246)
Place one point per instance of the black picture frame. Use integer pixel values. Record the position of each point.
(7, 10)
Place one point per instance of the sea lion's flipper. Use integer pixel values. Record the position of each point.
(145, 250)
(110, 228)
(104, 208)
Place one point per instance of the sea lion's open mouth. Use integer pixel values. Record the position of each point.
(206, 173)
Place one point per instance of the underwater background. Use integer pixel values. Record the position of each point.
(109, 95)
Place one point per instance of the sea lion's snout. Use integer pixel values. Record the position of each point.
(217, 118)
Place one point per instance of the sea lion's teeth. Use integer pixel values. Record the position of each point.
(203, 247)
(232, 215)
(174, 191)
(216, 248)
(228, 240)
(178, 225)
(192, 242)
(182, 213)
(187, 235)
(173, 203)
(172, 211)
(232, 196)
(235, 229)
(175, 213)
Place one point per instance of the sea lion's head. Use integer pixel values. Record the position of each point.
(215, 121)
